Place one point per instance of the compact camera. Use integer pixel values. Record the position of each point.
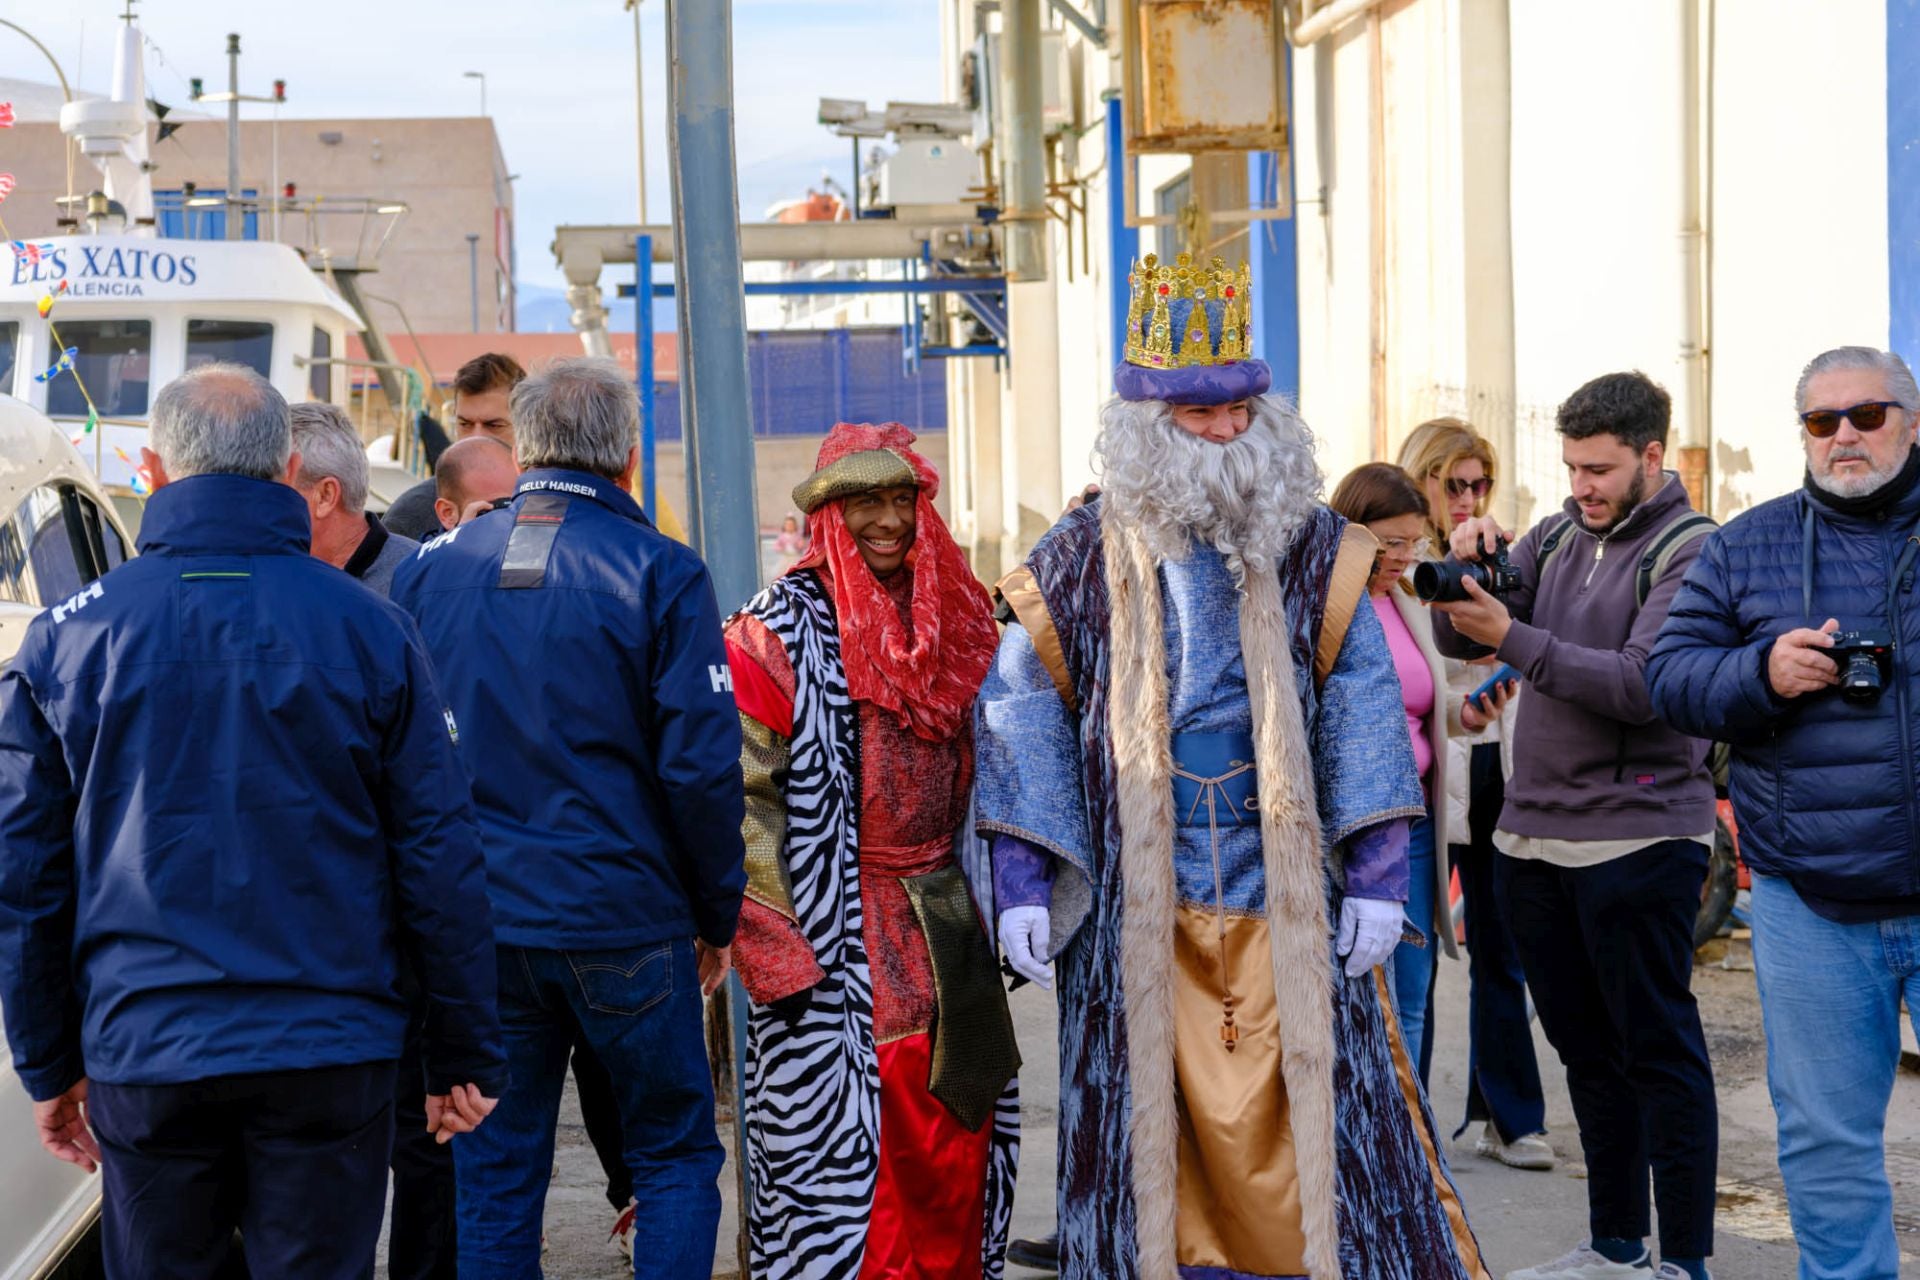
(1444, 581)
(1865, 659)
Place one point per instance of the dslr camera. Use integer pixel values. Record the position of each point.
(1444, 581)
(1865, 659)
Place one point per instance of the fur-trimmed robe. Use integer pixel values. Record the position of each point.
(1091, 785)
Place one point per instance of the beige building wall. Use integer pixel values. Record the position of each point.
(450, 174)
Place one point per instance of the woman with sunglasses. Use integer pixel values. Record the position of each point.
(1385, 499)
(1455, 467)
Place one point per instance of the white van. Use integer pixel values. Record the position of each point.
(59, 530)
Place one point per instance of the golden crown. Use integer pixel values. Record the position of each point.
(1213, 308)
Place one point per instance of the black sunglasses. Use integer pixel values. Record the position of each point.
(1461, 488)
(1868, 416)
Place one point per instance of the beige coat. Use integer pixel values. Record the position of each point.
(1442, 724)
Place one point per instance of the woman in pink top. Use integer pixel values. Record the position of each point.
(1387, 501)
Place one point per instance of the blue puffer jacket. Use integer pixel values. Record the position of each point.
(581, 651)
(228, 802)
(1824, 789)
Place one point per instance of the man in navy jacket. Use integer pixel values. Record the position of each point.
(1824, 785)
(228, 802)
(583, 657)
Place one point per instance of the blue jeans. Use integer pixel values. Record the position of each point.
(640, 1010)
(1830, 999)
(1413, 967)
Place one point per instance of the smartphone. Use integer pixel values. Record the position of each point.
(1498, 678)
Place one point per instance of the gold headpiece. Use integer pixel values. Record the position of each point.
(1214, 309)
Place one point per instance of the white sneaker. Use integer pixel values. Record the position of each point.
(1668, 1271)
(1584, 1264)
(1529, 1151)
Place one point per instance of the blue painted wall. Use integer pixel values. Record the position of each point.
(1903, 177)
(1274, 257)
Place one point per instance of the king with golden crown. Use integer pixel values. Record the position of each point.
(1194, 767)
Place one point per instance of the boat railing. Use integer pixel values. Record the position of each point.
(408, 449)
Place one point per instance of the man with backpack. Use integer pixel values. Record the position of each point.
(1772, 647)
(1608, 821)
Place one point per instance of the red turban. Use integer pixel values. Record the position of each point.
(929, 680)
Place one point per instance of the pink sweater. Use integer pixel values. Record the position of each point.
(1416, 679)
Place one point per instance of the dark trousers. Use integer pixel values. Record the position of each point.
(1503, 1075)
(640, 1009)
(600, 1113)
(422, 1242)
(296, 1160)
(1608, 952)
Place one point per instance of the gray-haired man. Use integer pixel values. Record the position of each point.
(1824, 728)
(333, 480)
(229, 804)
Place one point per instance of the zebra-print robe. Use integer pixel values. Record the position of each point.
(812, 1084)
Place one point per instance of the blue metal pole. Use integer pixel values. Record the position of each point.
(716, 410)
(1123, 240)
(1275, 259)
(643, 365)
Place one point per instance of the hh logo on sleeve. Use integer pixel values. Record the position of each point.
(722, 678)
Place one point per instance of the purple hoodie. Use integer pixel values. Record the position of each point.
(1590, 762)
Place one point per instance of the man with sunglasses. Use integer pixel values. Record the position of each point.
(1823, 782)
(1604, 835)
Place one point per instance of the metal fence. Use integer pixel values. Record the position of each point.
(804, 381)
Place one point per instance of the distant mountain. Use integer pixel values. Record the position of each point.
(543, 309)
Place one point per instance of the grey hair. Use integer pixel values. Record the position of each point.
(1900, 384)
(329, 447)
(222, 419)
(1246, 498)
(582, 414)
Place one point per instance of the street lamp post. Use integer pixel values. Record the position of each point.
(473, 280)
(639, 105)
(481, 76)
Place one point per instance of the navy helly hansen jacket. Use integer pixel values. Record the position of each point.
(1824, 789)
(581, 651)
(228, 803)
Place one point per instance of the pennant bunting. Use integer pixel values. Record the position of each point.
(30, 251)
(60, 366)
(46, 304)
(6, 185)
(140, 486)
(6, 115)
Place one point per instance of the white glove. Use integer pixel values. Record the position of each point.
(1369, 931)
(1024, 933)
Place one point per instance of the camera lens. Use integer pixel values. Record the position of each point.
(1860, 679)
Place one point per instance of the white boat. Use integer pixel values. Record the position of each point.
(129, 310)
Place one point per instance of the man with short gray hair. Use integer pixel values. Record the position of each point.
(581, 651)
(229, 802)
(333, 479)
(1791, 642)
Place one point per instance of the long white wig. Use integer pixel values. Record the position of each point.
(1246, 498)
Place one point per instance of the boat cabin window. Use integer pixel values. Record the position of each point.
(9, 346)
(114, 362)
(55, 542)
(246, 342)
(320, 376)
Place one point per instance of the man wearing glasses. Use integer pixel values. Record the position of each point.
(1791, 641)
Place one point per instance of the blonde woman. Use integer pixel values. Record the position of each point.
(1454, 466)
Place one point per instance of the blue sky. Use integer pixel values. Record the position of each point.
(559, 81)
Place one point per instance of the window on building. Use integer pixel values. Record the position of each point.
(9, 348)
(320, 376)
(247, 342)
(113, 360)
